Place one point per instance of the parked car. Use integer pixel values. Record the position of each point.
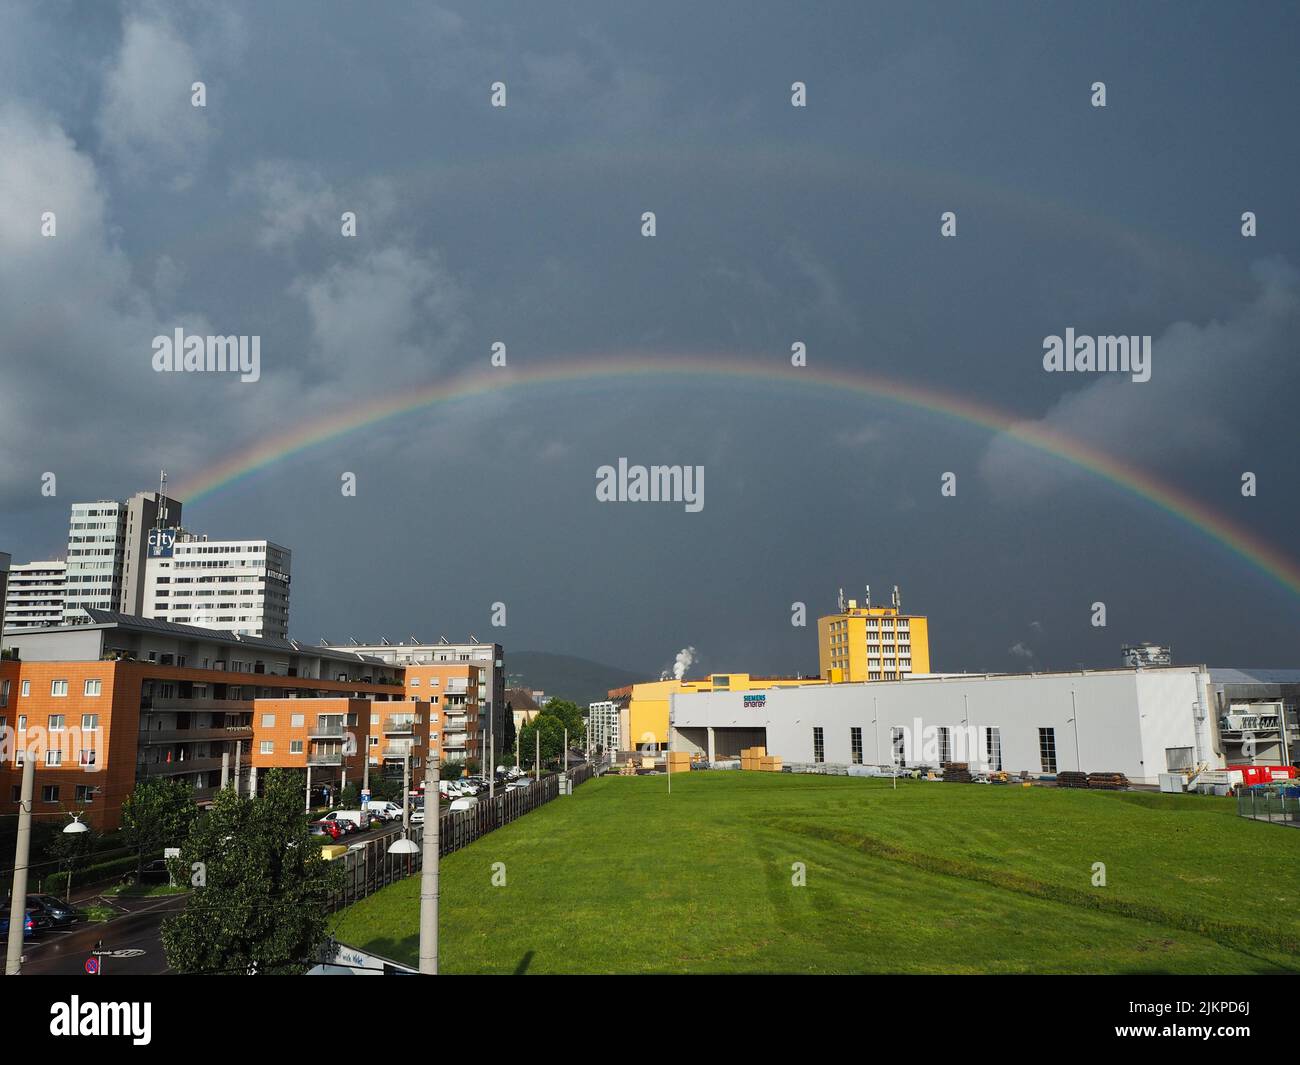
(384, 810)
(60, 914)
(348, 820)
(467, 802)
(156, 872)
(417, 815)
(326, 828)
(29, 924)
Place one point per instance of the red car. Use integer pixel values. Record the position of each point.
(326, 828)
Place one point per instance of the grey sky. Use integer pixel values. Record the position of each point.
(775, 224)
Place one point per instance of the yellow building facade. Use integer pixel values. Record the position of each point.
(646, 716)
(863, 643)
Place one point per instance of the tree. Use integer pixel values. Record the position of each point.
(157, 814)
(552, 733)
(510, 737)
(261, 886)
(570, 715)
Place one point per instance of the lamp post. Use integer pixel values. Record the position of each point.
(74, 827)
(22, 852)
(429, 876)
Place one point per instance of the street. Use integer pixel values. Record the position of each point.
(135, 937)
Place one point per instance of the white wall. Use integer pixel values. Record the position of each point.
(1126, 718)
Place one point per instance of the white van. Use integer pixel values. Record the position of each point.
(465, 802)
(385, 810)
(346, 815)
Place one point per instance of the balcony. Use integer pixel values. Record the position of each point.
(178, 767)
(398, 752)
(325, 729)
(159, 702)
(193, 735)
(399, 726)
(326, 757)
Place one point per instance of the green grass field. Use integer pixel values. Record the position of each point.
(931, 878)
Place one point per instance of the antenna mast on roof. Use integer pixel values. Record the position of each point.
(868, 597)
(162, 494)
(841, 600)
(898, 600)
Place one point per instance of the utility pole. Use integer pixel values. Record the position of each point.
(406, 793)
(875, 721)
(306, 802)
(492, 759)
(1078, 765)
(537, 752)
(22, 852)
(429, 874)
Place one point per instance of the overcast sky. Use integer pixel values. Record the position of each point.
(774, 224)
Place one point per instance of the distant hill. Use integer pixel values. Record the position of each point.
(577, 679)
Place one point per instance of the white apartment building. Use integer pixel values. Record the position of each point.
(237, 586)
(107, 545)
(34, 597)
(603, 726)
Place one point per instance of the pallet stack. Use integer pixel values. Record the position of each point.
(679, 762)
(750, 756)
(1108, 781)
(956, 772)
(1071, 779)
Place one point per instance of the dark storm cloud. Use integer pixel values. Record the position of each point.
(775, 225)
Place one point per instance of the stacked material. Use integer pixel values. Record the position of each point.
(1071, 779)
(1108, 781)
(750, 756)
(769, 764)
(957, 772)
(628, 769)
(679, 762)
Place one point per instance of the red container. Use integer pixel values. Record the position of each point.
(1264, 774)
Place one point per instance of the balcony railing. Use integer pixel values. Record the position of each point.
(159, 702)
(398, 752)
(178, 767)
(325, 758)
(193, 735)
(328, 728)
(399, 725)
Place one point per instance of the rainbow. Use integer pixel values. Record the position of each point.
(1239, 540)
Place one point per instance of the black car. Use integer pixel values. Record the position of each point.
(156, 872)
(59, 913)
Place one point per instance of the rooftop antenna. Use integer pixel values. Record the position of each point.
(411, 637)
(162, 494)
(841, 600)
(384, 641)
(897, 599)
(354, 641)
(324, 642)
(473, 638)
(443, 639)
(868, 597)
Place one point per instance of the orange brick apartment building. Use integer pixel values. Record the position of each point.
(123, 699)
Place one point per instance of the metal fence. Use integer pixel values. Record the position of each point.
(370, 867)
(1279, 806)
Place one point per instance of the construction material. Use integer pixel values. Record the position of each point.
(1070, 778)
(956, 772)
(1108, 781)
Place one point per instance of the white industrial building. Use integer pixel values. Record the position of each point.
(1139, 722)
(236, 586)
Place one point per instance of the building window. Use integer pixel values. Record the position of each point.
(268, 721)
(59, 689)
(22, 722)
(85, 793)
(1047, 749)
(295, 747)
(89, 722)
(415, 682)
(297, 720)
(50, 793)
(1178, 758)
(53, 756)
(945, 745)
(819, 746)
(4, 693)
(26, 688)
(993, 748)
(268, 747)
(56, 722)
(93, 688)
(898, 744)
(855, 742)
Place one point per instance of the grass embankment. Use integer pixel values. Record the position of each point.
(929, 878)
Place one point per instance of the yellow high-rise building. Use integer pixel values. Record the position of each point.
(865, 642)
